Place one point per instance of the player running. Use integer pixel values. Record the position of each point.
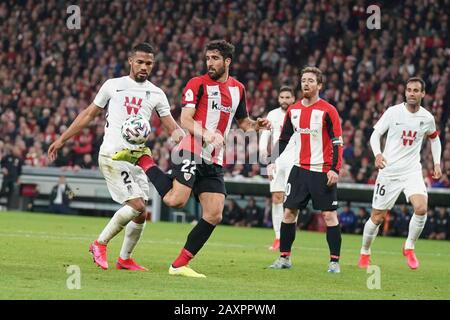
(127, 184)
(315, 126)
(210, 103)
(286, 97)
(400, 171)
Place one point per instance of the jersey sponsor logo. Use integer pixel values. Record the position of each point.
(313, 132)
(132, 106)
(408, 138)
(215, 106)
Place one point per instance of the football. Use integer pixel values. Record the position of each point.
(135, 130)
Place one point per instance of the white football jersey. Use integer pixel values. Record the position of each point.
(124, 97)
(276, 118)
(405, 133)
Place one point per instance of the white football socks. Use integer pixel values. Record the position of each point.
(133, 233)
(277, 217)
(416, 225)
(117, 223)
(369, 235)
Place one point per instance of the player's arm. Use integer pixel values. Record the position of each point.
(334, 130)
(81, 121)
(264, 141)
(380, 128)
(286, 133)
(436, 150)
(244, 122)
(172, 127)
(168, 122)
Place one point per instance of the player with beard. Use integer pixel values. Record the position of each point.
(406, 124)
(127, 184)
(210, 103)
(286, 97)
(315, 127)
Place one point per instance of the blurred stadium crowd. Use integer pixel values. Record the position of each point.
(49, 73)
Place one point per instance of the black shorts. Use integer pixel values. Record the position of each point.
(193, 172)
(304, 184)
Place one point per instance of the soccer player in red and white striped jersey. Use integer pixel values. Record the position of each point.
(210, 103)
(316, 128)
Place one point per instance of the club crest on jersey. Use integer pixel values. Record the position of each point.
(132, 106)
(408, 138)
(187, 176)
(147, 95)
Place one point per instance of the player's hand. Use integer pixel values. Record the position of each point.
(262, 123)
(213, 138)
(437, 172)
(380, 161)
(54, 148)
(271, 170)
(177, 135)
(332, 178)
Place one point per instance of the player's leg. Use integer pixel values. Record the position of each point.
(334, 239)
(416, 193)
(277, 217)
(122, 188)
(370, 232)
(212, 208)
(386, 192)
(324, 198)
(277, 188)
(297, 197)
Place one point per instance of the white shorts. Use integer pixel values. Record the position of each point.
(387, 190)
(280, 178)
(124, 180)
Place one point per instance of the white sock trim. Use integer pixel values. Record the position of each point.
(133, 233)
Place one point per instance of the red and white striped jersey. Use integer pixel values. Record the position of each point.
(216, 105)
(318, 136)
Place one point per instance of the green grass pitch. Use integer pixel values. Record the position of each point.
(37, 248)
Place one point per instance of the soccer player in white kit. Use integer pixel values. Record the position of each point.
(284, 163)
(127, 184)
(400, 171)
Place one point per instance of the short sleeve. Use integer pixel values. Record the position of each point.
(241, 111)
(432, 132)
(103, 95)
(163, 107)
(192, 93)
(383, 123)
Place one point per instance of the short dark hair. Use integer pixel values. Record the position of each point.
(225, 48)
(288, 89)
(417, 79)
(143, 47)
(314, 70)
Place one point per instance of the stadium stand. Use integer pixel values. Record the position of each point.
(47, 77)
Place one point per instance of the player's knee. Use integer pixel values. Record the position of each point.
(213, 219)
(420, 209)
(329, 216)
(140, 219)
(277, 198)
(138, 205)
(377, 217)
